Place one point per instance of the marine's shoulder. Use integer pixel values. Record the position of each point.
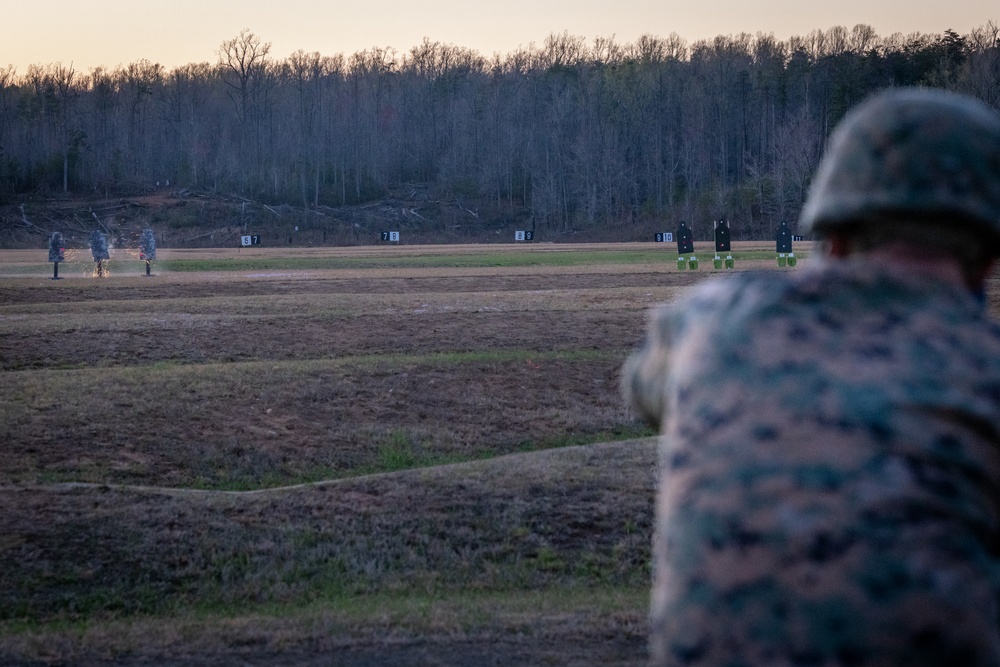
(825, 290)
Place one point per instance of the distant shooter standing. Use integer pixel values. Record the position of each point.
(830, 451)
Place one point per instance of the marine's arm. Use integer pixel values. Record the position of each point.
(645, 371)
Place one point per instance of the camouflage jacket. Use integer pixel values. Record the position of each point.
(829, 471)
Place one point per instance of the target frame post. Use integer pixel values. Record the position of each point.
(99, 249)
(783, 246)
(147, 248)
(56, 253)
(685, 246)
(723, 236)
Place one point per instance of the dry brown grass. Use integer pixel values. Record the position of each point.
(263, 382)
(501, 558)
(148, 388)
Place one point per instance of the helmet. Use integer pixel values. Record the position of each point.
(910, 152)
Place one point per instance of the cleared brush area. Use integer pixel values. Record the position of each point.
(391, 465)
(241, 390)
(257, 424)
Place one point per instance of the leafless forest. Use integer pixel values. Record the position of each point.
(568, 134)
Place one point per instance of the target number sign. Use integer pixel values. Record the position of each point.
(664, 237)
(250, 239)
(390, 236)
(524, 235)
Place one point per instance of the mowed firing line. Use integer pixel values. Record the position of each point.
(77, 262)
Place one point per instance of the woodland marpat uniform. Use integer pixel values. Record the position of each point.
(830, 472)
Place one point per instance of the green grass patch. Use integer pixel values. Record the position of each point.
(500, 259)
(184, 371)
(423, 613)
(503, 259)
(261, 424)
(481, 256)
(254, 265)
(493, 526)
(629, 431)
(368, 618)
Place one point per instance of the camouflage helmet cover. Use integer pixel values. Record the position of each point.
(910, 151)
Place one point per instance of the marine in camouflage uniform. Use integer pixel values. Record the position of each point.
(830, 450)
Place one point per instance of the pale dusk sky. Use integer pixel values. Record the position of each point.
(178, 32)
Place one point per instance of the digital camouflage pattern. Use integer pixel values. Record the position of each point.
(99, 246)
(56, 247)
(147, 245)
(829, 470)
(910, 151)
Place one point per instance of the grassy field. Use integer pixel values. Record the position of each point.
(80, 263)
(329, 456)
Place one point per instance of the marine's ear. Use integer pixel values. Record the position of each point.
(975, 281)
(837, 245)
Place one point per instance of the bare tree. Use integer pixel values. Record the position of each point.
(980, 74)
(7, 95)
(246, 73)
(612, 138)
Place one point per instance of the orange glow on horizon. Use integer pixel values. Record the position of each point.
(109, 33)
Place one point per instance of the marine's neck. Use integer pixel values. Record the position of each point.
(911, 259)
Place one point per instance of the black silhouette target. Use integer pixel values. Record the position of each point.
(721, 236)
(685, 240)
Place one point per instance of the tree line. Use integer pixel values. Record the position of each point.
(567, 135)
